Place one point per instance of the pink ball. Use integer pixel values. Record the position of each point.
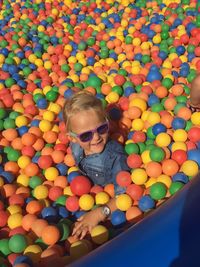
(123, 178)
(72, 203)
(80, 185)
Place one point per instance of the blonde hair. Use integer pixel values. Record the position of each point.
(80, 101)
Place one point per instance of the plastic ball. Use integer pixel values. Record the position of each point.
(175, 187)
(86, 202)
(123, 178)
(170, 167)
(50, 235)
(157, 154)
(80, 185)
(163, 140)
(139, 176)
(123, 202)
(134, 161)
(72, 203)
(180, 156)
(146, 203)
(33, 252)
(99, 234)
(118, 218)
(15, 220)
(102, 198)
(51, 173)
(178, 123)
(158, 191)
(190, 168)
(194, 155)
(17, 243)
(40, 192)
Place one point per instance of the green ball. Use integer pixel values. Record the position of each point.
(178, 107)
(9, 82)
(78, 66)
(191, 76)
(65, 68)
(181, 99)
(188, 125)
(3, 43)
(157, 154)
(17, 243)
(94, 82)
(117, 89)
(157, 107)
(150, 133)
(13, 115)
(51, 96)
(164, 35)
(142, 147)
(128, 39)
(2, 113)
(35, 181)
(27, 71)
(4, 247)
(158, 191)
(167, 82)
(146, 59)
(37, 96)
(9, 123)
(190, 48)
(13, 155)
(64, 230)
(82, 46)
(132, 148)
(175, 187)
(91, 41)
(61, 200)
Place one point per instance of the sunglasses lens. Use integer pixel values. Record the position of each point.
(103, 128)
(85, 137)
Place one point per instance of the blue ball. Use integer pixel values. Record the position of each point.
(154, 75)
(146, 203)
(42, 103)
(118, 218)
(153, 99)
(178, 123)
(158, 128)
(62, 168)
(72, 175)
(180, 177)
(23, 259)
(63, 212)
(8, 177)
(50, 214)
(22, 130)
(194, 154)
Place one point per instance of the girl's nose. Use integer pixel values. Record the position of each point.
(96, 136)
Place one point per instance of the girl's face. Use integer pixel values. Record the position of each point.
(85, 121)
(195, 92)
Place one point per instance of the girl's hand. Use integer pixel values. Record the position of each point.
(87, 222)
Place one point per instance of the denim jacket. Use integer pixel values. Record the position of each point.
(103, 167)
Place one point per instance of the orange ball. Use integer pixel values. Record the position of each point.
(28, 139)
(69, 160)
(50, 235)
(134, 214)
(17, 143)
(177, 89)
(28, 220)
(153, 169)
(8, 190)
(39, 144)
(10, 134)
(34, 207)
(170, 167)
(170, 103)
(50, 137)
(11, 166)
(109, 188)
(38, 226)
(61, 181)
(184, 113)
(134, 113)
(58, 156)
(31, 169)
(161, 91)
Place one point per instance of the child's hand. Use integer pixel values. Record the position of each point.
(87, 222)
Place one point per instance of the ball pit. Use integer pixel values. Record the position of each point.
(139, 58)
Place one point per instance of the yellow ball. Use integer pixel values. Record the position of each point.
(48, 65)
(136, 41)
(23, 180)
(146, 156)
(48, 115)
(40, 192)
(78, 249)
(21, 121)
(178, 145)
(23, 161)
(72, 169)
(195, 118)
(123, 202)
(139, 176)
(45, 125)
(163, 139)
(153, 118)
(38, 62)
(12, 209)
(165, 179)
(33, 252)
(190, 168)
(101, 198)
(157, 39)
(1, 181)
(32, 58)
(2, 58)
(180, 135)
(137, 124)
(53, 107)
(150, 181)
(138, 102)
(67, 191)
(86, 202)
(41, 28)
(99, 234)
(51, 173)
(112, 97)
(15, 220)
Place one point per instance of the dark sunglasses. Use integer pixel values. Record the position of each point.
(87, 136)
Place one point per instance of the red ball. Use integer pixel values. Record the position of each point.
(135, 191)
(80, 185)
(16, 199)
(55, 192)
(180, 156)
(72, 203)
(4, 217)
(197, 51)
(123, 178)
(45, 161)
(28, 151)
(190, 145)
(96, 189)
(139, 136)
(119, 79)
(194, 134)
(134, 161)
